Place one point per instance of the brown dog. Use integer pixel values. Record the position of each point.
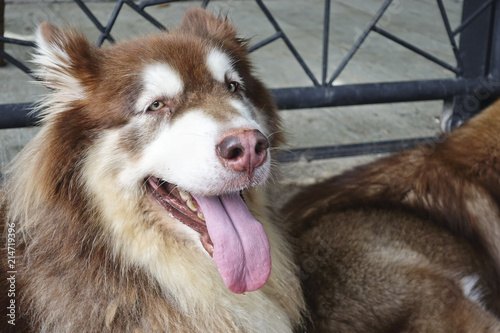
(409, 243)
(141, 205)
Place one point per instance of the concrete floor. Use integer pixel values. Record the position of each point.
(417, 21)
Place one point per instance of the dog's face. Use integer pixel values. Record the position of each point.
(205, 135)
(166, 131)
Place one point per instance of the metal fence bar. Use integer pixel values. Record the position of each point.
(476, 43)
(326, 39)
(415, 49)
(16, 63)
(11, 59)
(287, 41)
(494, 54)
(17, 115)
(92, 18)
(111, 22)
(451, 37)
(360, 41)
(148, 17)
(348, 150)
(472, 17)
(266, 41)
(2, 20)
(18, 42)
(386, 92)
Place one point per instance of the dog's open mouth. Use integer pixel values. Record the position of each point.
(183, 207)
(228, 232)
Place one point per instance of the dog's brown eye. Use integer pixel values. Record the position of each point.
(156, 105)
(232, 86)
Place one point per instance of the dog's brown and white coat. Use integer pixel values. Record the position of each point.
(408, 243)
(140, 206)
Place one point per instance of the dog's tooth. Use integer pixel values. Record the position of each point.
(201, 216)
(185, 195)
(192, 205)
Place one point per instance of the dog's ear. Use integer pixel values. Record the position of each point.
(200, 22)
(66, 61)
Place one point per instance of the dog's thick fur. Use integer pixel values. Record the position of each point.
(94, 251)
(408, 243)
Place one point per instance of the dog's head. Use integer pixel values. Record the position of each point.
(164, 133)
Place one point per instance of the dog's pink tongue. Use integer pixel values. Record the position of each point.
(241, 248)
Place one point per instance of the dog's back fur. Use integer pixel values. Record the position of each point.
(408, 243)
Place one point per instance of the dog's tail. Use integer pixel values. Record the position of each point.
(455, 181)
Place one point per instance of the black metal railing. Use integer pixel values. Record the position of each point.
(476, 70)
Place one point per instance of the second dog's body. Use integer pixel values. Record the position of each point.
(409, 243)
